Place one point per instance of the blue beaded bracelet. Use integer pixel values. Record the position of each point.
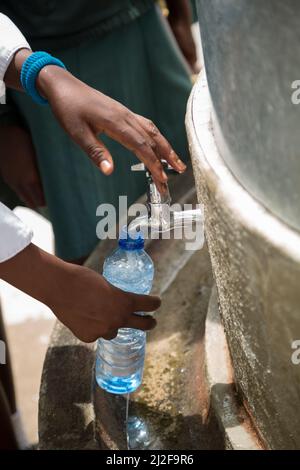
(30, 70)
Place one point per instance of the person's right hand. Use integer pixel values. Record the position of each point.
(80, 298)
(18, 166)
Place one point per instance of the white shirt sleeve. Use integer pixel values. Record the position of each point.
(11, 40)
(14, 234)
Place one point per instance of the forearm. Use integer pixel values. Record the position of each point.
(14, 50)
(35, 272)
(12, 41)
(179, 10)
(12, 75)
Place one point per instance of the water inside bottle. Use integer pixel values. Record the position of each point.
(120, 361)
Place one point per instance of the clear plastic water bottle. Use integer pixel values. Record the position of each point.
(120, 361)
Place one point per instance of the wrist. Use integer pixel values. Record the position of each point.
(48, 79)
(62, 277)
(30, 71)
(35, 272)
(58, 276)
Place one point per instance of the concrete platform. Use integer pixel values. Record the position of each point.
(173, 400)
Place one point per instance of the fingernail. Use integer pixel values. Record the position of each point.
(105, 166)
(164, 176)
(181, 165)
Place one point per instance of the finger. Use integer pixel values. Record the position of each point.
(140, 322)
(154, 165)
(162, 148)
(138, 142)
(157, 176)
(96, 150)
(110, 335)
(145, 303)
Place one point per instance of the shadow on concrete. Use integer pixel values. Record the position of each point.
(66, 418)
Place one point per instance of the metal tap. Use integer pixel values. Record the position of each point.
(153, 195)
(161, 218)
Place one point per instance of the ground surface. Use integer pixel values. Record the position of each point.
(29, 324)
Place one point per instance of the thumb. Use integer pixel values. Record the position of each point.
(97, 152)
(145, 303)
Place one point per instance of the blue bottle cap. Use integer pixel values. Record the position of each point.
(134, 241)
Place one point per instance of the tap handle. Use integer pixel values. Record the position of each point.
(138, 167)
(142, 167)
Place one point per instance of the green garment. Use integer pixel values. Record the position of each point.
(194, 11)
(138, 64)
(54, 24)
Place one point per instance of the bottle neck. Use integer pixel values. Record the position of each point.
(132, 242)
(130, 247)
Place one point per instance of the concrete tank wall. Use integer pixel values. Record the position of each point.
(251, 53)
(256, 265)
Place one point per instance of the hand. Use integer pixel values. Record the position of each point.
(92, 308)
(18, 166)
(84, 113)
(80, 298)
(184, 37)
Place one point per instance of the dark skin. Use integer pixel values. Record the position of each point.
(20, 170)
(85, 113)
(180, 18)
(64, 286)
(80, 298)
(83, 118)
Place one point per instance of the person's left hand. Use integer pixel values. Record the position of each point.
(84, 113)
